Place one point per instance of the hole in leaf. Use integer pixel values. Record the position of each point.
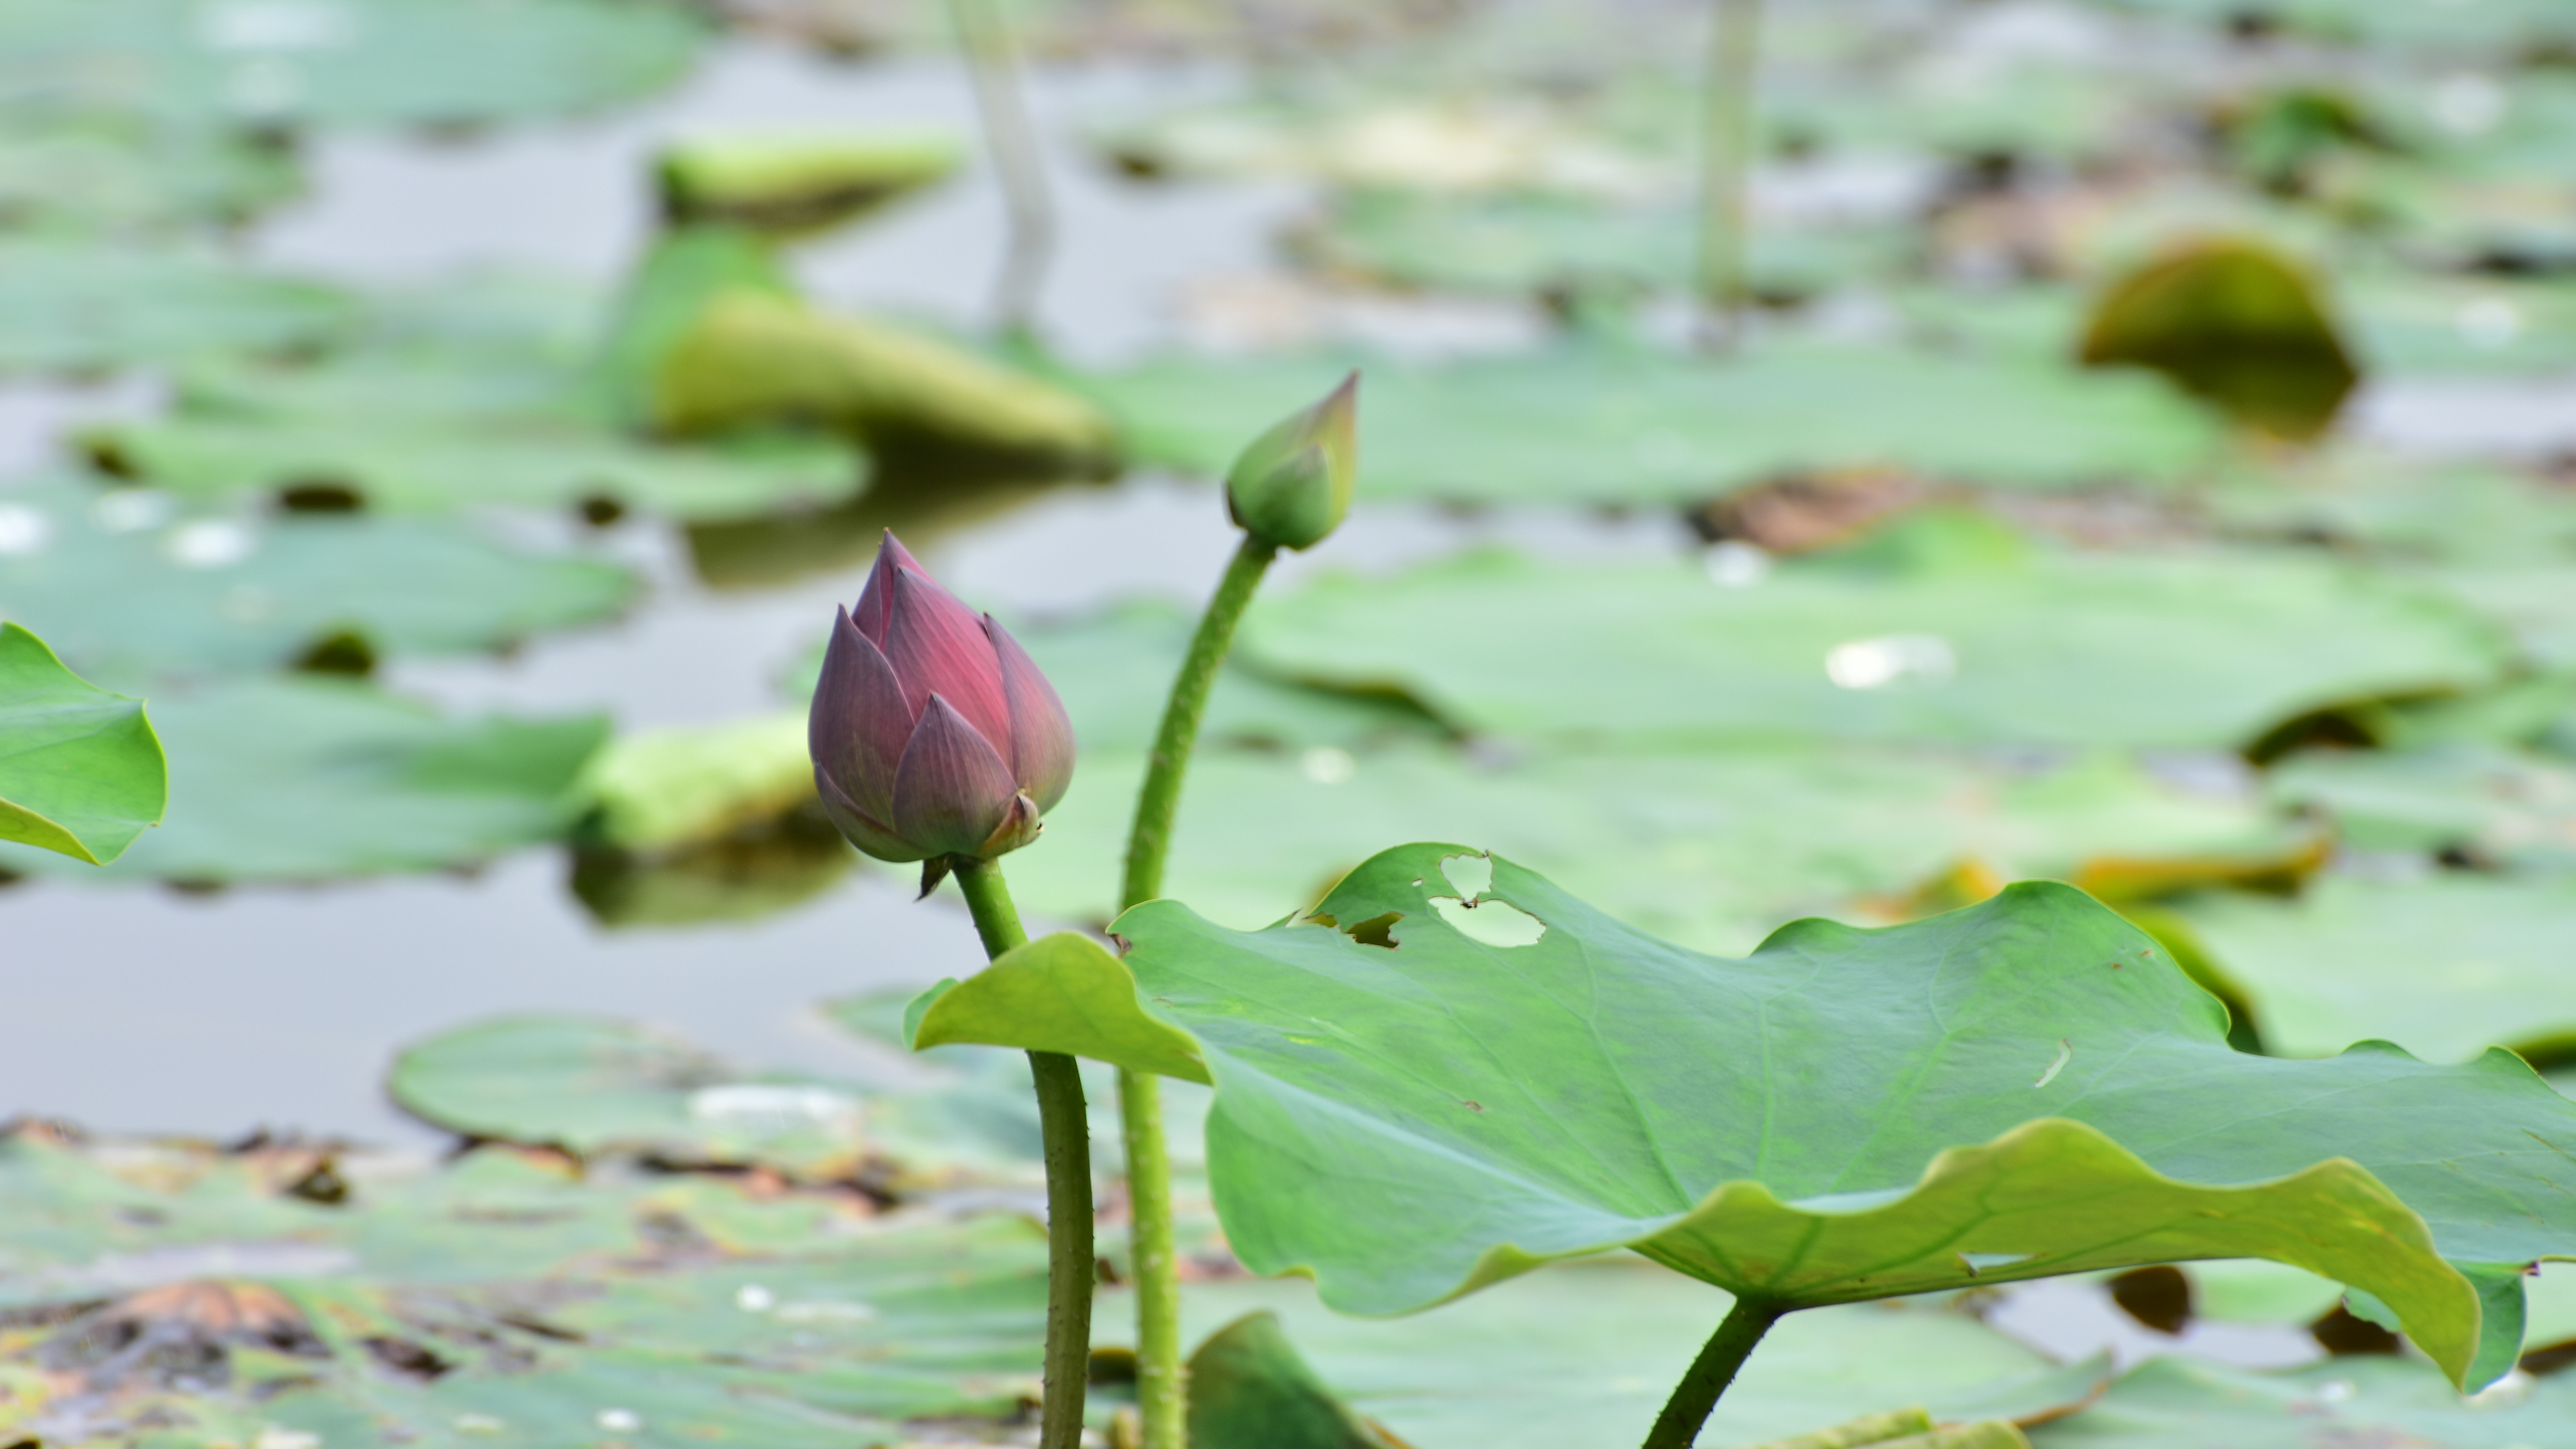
(599, 510)
(1490, 923)
(1375, 931)
(1472, 875)
(2159, 1297)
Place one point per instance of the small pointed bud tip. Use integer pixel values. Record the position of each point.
(1292, 486)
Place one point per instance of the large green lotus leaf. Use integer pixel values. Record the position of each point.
(596, 1087)
(1708, 848)
(129, 588)
(2445, 966)
(1586, 1352)
(2493, 803)
(2176, 650)
(1523, 245)
(2024, 1088)
(342, 62)
(1603, 423)
(322, 779)
(2165, 1403)
(96, 306)
(81, 772)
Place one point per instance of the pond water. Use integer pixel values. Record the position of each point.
(280, 1007)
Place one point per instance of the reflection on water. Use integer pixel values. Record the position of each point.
(771, 867)
(923, 503)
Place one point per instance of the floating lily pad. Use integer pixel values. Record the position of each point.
(2360, 1400)
(2444, 967)
(130, 587)
(81, 773)
(284, 63)
(88, 308)
(1846, 1115)
(1584, 1353)
(2489, 803)
(481, 395)
(89, 175)
(595, 1087)
(1524, 245)
(1601, 423)
(1707, 848)
(2177, 650)
(322, 779)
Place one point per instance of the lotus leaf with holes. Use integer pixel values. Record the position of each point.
(2024, 1088)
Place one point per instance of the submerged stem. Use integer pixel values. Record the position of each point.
(1162, 1388)
(1064, 1125)
(1013, 141)
(1678, 1426)
(1726, 166)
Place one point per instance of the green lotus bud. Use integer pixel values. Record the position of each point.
(1292, 486)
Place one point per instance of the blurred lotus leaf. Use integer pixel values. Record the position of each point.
(90, 307)
(1905, 637)
(321, 779)
(130, 586)
(81, 772)
(283, 64)
(2357, 1400)
(2235, 322)
(1712, 848)
(2444, 966)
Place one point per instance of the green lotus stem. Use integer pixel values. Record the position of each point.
(1162, 1390)
(1064, 1124)
(1678, 1426)
(1726, 165)
(1013, 141)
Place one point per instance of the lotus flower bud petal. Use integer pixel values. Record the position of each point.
(860, 720)
(938, 646)
(933, 734)
(953, 792)
(1041, 733)
(1292, 486)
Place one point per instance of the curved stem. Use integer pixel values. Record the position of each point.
(1162, 1385)
(1064, 1125)
(1013, 140)
(1151, 838)
(1726, 165)
(1678, 1426)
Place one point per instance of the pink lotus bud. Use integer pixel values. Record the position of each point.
(933, 734)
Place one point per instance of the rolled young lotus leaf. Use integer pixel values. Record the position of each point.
(794, 183)
(753, 358)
